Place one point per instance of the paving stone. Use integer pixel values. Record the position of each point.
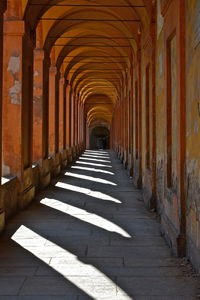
(156, 286)
(150, 262)
(26, 261)
(77, 248)
(10, 285)
(137, 241)
(133, 252)
(17, 271)
(97, 262)
(61, 286)
(48, 286)
(43, 297)
(165, 298)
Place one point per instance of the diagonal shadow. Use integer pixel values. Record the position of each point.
(69, 233)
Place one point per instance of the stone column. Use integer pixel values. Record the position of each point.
(62, 121)
(52, 131)
(40, 118)
(38, 105)
(17, 107)
(76, 121)
(61, 112)
(68, 116)
(72, 119)
(2, 9)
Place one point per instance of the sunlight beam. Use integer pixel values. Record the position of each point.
(83, 215)
(95, 159)
(84, 276)
(92, 164)
(95, 156)
(88, 192)
(97, 152)
(90, 178)
(92, 170)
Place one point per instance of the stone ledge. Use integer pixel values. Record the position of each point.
(10, 191)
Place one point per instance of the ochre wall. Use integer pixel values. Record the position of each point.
(193, 129)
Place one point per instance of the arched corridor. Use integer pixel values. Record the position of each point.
(81, 81)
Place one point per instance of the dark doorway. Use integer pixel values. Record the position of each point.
(100, 138)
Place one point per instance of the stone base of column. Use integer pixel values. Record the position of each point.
(79, 150)
(121, 154)
(137, 179)
(2, 213)
(172, 237)
(28, 189)
(2, 220)
(118, 151)
(74, 153)
(147, 190)
(10, 191)
(130, 165)
(125, 159)
(64, 159)
(55, 166)
(69, 155)
(44, 174)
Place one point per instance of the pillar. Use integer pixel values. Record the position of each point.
(61, 113)
(40, 116)
(68, 116)
(38, 105)
(72, 119)
(17, 106)
(76, 121)
(52, 104)
(2, 9)
(139, 179)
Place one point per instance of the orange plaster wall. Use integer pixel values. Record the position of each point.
(193, 128)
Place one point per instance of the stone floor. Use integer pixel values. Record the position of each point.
(88, 236)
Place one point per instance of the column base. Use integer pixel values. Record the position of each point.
(173, 238)
(74, 153)
(130, 165)
(55, 166)
(69, 155)
(45, 174)
(125, 159)
(28, 189)
(149, 198)
(2, 220)
(64, 159)
(10, 191)
(137, 178)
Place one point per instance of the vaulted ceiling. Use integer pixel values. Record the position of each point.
(93, 43)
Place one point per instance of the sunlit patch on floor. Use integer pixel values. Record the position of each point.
(87, 192)
(83, 276)
(92, 170)
(90, 178)
(95, 159)
(97, 152)
(94, 156)
(92, 164)
(83, 215)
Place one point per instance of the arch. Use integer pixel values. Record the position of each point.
(99, 138)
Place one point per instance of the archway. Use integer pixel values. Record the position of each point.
(100, 138)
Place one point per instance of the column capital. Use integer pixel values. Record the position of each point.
(62, 78)
(53, 70)
(38, 54)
